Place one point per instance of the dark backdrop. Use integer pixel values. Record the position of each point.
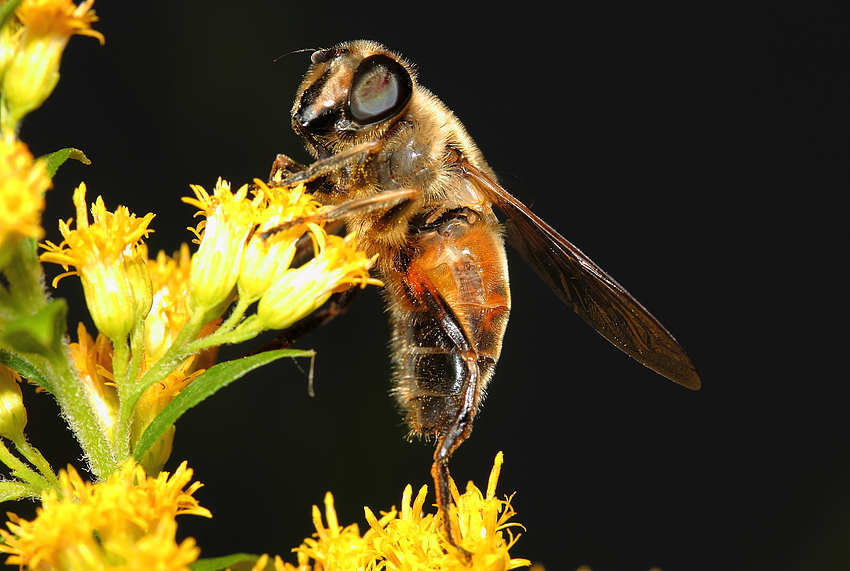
(685, 149)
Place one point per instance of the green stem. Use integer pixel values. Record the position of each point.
(172, 358)
(137, 348)
(21, 470)
(35, 458)
(82, 418)
(235, 317)
(125, 383)
(246, 330)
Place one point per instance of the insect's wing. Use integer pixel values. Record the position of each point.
(585, 287)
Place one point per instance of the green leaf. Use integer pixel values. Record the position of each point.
(10, 491)
(22, 291)
(205, 385)
(218, 563)
(6, 11)
(40, 333)
(56, 158)
(26, 369)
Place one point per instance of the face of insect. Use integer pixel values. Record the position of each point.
(411, 184)
(351, 94)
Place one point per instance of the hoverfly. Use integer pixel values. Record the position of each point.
(408, 180)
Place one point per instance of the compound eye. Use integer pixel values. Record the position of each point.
(381, 88)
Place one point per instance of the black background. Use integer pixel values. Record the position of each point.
(686, 149)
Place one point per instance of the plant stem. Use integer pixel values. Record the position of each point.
(244, 332)
(82, 419)
(160, 370)
(235, 316)
(125, 381)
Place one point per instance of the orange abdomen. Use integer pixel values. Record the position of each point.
(449, 306)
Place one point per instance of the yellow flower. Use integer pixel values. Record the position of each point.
(169, 312)
(247, 246)
(13, 415)
(93, 360)
(170, 309)
(414, 541)
(215, 267)
(126, 522)
(23, 182)
(267, 257)
(33, 72)
(108, 260)
(300, 291)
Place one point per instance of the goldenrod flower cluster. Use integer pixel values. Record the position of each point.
(126, 522)
(170, 309)
(247, 246)
(411, 540)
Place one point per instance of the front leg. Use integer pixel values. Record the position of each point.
(287, 172)
(283, 167)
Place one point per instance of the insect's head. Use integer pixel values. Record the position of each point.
(350, 92)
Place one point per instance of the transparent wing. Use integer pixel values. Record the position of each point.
(585, 287)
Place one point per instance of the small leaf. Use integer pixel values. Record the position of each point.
(55, 159)
(205, 385)
(218, 563)
(40, 333)
(10, 491)
(26, 369)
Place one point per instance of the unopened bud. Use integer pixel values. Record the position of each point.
(13, 415)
